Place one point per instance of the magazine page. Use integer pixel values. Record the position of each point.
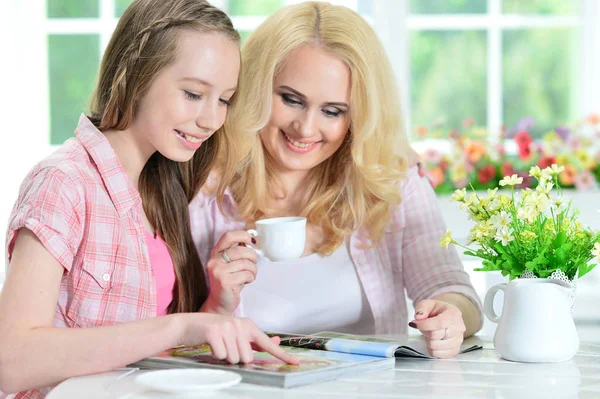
(334, 342)
(411, 347)
(315, 365)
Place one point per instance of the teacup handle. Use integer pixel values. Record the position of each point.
(254, 233)
(488, 303)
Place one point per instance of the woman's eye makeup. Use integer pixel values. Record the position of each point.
(290, 99)
(192, 96)
(225, 102)
(333, 112)
(294, 101)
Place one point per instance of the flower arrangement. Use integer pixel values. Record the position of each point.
(471, 160)
(529, 233)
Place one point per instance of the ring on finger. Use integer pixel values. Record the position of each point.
(226, 257)
(446, 334)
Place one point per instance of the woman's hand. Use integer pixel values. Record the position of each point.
(230, 267)
(442, 325)
(231, 339)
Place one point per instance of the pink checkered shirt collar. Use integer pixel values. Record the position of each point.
(109, 166)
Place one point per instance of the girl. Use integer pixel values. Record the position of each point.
(327, 142)
(99, 237)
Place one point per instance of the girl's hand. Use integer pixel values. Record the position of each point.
(230, 267)
(442, 325)
(231, 339)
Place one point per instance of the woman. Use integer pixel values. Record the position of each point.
(327, 142)
(87, 249)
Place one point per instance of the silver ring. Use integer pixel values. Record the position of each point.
(227, 259)
(446, 336)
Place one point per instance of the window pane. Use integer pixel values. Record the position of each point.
(547, 7)
(254, 7)
(244, 35)
(448, 79)
(72, 9)
(121, 6)
(448, 6)
(73, 61)
(539, 75)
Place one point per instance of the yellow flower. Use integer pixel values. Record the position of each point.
(585, 159)
(458, 173)
(528, 235)
(483, 230)
(505, 201)
(511, 180)
(446, 239)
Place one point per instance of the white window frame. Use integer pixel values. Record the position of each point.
(390, 14)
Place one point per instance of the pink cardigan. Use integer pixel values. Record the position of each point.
(409, 256)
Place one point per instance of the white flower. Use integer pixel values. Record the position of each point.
(537, 200)
(472, 199)
(492, 193)
(596, 252)
(504, 236)
(459, 195)
(553, 170)
(494, 205)
(528, 213)
(501, 220)
(511, 180)
(536, 172)
(546, 187)
(559, 205)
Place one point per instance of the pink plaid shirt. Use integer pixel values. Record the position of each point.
(81, 205)
(408, 257)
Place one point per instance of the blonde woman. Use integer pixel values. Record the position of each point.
(326, 141)
(99, 241)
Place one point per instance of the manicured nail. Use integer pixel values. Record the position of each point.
(253, 240)
(420, 313)
(412, 324)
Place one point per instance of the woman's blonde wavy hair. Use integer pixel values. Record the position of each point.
(359, 185)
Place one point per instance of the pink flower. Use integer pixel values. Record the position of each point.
(436, 176)
(585, 181)
(573, 142)
(431, 155)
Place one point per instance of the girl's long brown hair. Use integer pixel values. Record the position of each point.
(145, 42)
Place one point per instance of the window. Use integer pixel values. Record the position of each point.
(77, 33)
(494, 62)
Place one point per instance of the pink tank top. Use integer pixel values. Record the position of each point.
(164, 273)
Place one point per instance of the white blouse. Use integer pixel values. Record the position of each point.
(311, 294)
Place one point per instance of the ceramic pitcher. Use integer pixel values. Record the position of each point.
(536, 323)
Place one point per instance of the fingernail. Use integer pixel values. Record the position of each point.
(412, 324)
(253, 240)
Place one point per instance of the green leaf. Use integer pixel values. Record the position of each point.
(585, 269)
(560, 239)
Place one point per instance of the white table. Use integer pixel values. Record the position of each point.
(480, 374)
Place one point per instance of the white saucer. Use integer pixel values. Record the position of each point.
(188, 380)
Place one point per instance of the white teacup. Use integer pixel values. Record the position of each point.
(282, 238)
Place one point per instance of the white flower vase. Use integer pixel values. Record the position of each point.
(536, 324)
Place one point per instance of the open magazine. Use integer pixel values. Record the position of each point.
(364, 345)
(323, 356)
(315, 365)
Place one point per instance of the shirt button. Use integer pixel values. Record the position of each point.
(106, 277)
